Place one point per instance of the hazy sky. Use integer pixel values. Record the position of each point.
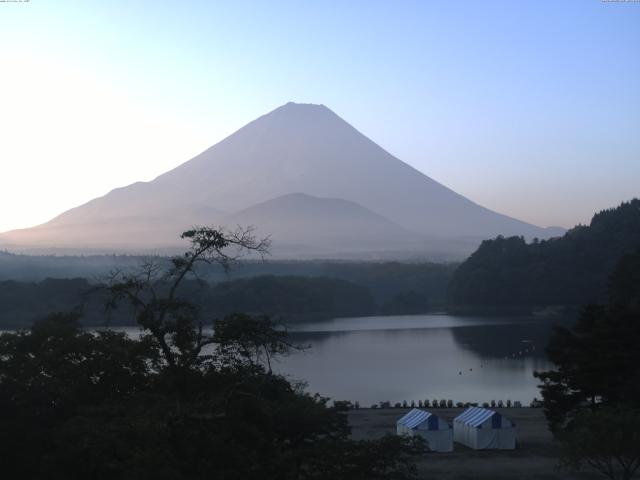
(531, 108)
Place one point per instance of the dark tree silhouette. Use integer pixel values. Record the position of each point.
(154, 294)
(571, 270)
(606, 440)
(183, 401)
(592, 397)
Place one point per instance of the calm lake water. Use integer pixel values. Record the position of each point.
(418, 357)
(396, 358)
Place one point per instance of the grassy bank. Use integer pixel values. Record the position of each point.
(534, 459)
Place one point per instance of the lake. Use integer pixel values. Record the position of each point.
(396, 358)
(418, 357)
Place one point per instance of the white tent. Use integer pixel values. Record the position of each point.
(480, 428)
(433, 429)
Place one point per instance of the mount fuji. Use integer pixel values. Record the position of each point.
(301, 174)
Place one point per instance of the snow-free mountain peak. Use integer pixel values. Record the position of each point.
(302, 148)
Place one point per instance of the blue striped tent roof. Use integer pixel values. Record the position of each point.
(475, 416)
(416, 417)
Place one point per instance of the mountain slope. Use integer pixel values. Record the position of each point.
(295, 148)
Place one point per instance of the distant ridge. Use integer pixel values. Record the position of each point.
(329, 225)
(302, 148)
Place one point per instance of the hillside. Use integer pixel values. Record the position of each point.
(570, 270)
(336, 227)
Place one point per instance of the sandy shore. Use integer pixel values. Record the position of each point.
(535, 457)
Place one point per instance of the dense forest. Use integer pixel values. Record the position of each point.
(285, 298)
(569, 270)
(385, 280)
(32, 286)
(33, 268)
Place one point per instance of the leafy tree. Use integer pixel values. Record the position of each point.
(597, 362)
(390, 458)
(606, 440)
(624, 284)
(591, 399)
(181, 402)
(51, 373)
(174, 323)
(243, 340)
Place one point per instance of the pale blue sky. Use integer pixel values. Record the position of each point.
(531, 108)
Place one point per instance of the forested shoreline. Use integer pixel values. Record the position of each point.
(509, 274)
(505, 276)
(286, 298)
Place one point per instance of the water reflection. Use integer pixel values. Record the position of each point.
(513, 340)
(421, 357)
